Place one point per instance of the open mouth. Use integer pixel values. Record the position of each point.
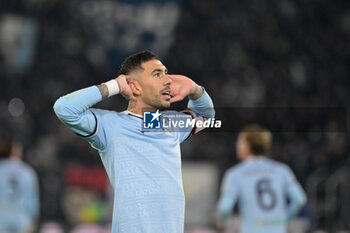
(167, 94)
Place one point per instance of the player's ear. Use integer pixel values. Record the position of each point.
(135, 87)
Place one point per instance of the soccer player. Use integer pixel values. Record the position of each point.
(144, 167)
(19, 196)
(260, 185)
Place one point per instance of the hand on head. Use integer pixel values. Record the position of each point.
(125, 89)
(182, 86)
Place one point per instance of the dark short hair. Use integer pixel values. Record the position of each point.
(134, 61)
(258, 138)
(5, 148)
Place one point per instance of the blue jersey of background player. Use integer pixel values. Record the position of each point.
(19, 194)
(144, 167)
(260, 185)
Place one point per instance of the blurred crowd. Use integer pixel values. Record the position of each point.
(245, 53)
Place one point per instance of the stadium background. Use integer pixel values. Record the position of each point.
(246, 53)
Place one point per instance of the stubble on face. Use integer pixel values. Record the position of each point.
(153, 84)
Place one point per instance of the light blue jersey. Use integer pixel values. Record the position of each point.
(143, 167)
(261, 187)
(19, 198)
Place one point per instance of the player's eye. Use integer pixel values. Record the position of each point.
(157, 75)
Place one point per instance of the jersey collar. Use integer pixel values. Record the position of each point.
(133, 114)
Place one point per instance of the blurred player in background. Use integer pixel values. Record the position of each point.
(260, 185)
(143, 167)
(19, 193)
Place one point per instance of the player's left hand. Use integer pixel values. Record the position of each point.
(220, 229)
(182, 86)
(220, 226)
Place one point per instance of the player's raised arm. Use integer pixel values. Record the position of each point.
(73, 109)
(200, 102)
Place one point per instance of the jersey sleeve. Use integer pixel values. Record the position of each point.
(98, 138)
(289, 176)
(75, 111)
(198, 110)
(229, 195)
(32, 197)
(295, 193)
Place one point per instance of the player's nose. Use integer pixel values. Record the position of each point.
(168, 80)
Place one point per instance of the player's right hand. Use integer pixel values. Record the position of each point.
(125, 89)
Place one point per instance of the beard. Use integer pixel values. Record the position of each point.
(157, 103)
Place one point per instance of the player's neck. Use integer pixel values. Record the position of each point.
(249, 157)
(253, 157)
(138, 108)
